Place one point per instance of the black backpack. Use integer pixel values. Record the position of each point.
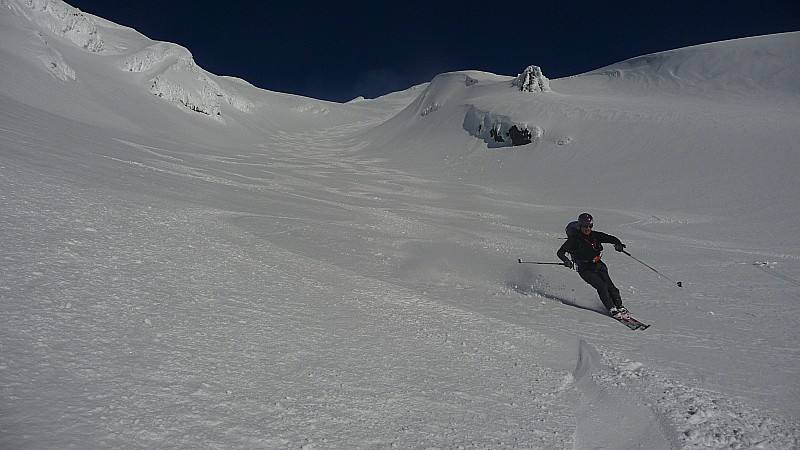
(572, 228)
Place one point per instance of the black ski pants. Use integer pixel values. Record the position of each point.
(599, 279)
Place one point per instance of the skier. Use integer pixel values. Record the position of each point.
(585, 247)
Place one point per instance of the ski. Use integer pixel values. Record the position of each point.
(632, 323)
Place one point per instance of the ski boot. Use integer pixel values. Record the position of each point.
(620, 313)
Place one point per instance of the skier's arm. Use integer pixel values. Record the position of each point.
(562, 251)
(609, 239)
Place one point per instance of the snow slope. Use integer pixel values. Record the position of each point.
(708, 130)
(189, 261)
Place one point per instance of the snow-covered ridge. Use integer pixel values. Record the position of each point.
(742, 68)
(63, 20)
(173, 74)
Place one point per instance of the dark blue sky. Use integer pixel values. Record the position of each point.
(338, 50)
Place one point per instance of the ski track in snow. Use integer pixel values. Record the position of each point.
(140, 319)
(142, 323)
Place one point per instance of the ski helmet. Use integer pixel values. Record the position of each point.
(585, 219)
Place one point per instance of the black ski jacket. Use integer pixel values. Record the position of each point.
(586, 249)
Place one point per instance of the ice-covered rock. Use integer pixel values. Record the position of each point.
(532, 80)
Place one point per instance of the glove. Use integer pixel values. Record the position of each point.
(568, 264)
(619, 247)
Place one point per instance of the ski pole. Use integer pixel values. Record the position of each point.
(651, 268)
(545, 263)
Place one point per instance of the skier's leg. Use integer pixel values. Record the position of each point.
(594, 279)
(613, 292)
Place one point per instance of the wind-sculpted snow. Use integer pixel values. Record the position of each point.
(186, 85)
(454, 93)
(448, 89)
(499, 130)
(63, 20)
(180, 80)
(176, 77)
(154, 56)
(462, 93)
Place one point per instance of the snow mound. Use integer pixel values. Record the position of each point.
(596, 403)
(449, 88)
(532, 80)
(701, 418)
(456, 93)
(439, 91)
